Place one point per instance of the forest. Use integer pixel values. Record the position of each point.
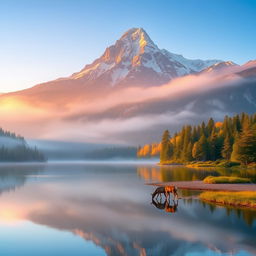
(14, 148)
(233, 139)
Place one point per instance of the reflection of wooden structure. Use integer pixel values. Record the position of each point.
(166, 190)
(166, 205)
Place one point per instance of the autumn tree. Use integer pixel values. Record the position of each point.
(231, 139)
(166, 147)
(246, 146)
(227, 148)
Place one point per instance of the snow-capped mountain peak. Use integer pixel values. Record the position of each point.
(189, 65)
(220, 66)
(136, 60)
(138, 38)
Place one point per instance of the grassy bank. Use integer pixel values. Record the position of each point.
(218, 163)
(237, 199)
(225, 179)
(171, 162)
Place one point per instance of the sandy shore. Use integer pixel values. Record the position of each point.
(200, 185)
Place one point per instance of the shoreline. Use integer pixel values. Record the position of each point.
(200, 185)
(216, 190)
(209, 164)
(214, 202)
(242, 199)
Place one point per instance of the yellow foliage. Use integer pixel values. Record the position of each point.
(244, 198)
(144, 151)
(225, 179)
(155, 149)
(149, 150)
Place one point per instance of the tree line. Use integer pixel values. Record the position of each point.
(19, 152)
(11, 135)
(234, 139)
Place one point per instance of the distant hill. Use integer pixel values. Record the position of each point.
(14, 148)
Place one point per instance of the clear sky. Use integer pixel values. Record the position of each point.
(45, 39)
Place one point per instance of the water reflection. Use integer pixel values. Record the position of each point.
(110, 206)
(181, 173)
(166, 205)
(172, 173)
(15, 176)
(245, 214)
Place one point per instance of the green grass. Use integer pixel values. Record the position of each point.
(240, 199)
(225, 179)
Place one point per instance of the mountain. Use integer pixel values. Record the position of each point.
(136, 60)
(220, 66)
(130, 94)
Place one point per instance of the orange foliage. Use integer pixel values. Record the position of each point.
(149, 150)
(218, 124)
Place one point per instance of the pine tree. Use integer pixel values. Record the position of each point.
(227, 148)
(166, 148)
(194, 136)
(186, 141)
(213, 149)
(203, 129)
(235, 149)
(203, 148)
(233, 139)
(196, 153)
(209, 127)
(246, 152)
(188, 153)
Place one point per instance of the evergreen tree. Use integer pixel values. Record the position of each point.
(227, 148)
(186, 141)
(194, 136)
(166, 148)
(212, 142)
(246, 152)
(210, 127)
(235, 149)
(196, 151)
(203, 148)
(233, 139)
(188, 152)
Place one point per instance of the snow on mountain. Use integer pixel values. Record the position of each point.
(135, 59)
(187, 66)
(96, 104)
(227, 65)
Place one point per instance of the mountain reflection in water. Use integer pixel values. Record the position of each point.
(110, 206)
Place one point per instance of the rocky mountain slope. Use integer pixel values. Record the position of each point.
(130, 94)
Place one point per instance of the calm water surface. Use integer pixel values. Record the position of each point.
(105, 209)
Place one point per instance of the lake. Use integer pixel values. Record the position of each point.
(105, 209)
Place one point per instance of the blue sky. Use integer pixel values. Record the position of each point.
(47, 39)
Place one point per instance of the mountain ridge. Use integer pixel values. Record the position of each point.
(135, 52)
(134, 60)
(129, 94)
